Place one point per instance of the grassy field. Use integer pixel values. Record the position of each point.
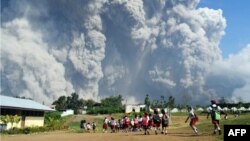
(206, 127)
(178, 130)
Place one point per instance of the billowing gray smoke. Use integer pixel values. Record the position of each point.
(101, 48)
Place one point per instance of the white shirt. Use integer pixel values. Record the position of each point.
(210, 108)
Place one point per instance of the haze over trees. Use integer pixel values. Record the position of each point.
(112, 104)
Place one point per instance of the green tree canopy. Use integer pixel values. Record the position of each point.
(171, 101)
(112, 101)
(61, 103)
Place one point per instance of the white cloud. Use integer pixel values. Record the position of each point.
(235, 71)
(99, 48)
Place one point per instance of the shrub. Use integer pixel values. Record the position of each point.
(105, 110)
(52, 115)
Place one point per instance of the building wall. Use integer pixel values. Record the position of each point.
(129, 108)
(34, 121)
(29, 122)
(18, 125)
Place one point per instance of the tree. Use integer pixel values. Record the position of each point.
(61, 103)
(222, 100)
(170, 104)
(171, 100)
(90, 103)
(73, 102)
(147, 102)
(163, 102)
(112, 101)
(81, 103)
(70, 102)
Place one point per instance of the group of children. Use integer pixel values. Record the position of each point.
(87, 126)
(158, 121)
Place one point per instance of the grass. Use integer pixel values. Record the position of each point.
(204, 125)
(74, 123)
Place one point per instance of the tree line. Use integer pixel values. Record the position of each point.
(112, 104)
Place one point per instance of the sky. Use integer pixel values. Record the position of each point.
(238, 22)
(190, 49)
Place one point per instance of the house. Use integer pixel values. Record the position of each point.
(234, 109)
(242, 109)
(67, 112)
(225, 109)
(174, 110)
(134, 108)
(31, 113)
(200, 109)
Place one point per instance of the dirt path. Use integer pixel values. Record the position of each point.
(174, 135)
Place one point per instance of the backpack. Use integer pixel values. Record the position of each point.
(164, 120)
(215, 113)
(156, 119)
(145, 121)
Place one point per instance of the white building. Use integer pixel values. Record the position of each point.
(67, 112)
(174, 110)
(134, 108)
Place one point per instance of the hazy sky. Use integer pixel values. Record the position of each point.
(190, 49)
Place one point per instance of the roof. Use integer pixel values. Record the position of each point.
(18, 103)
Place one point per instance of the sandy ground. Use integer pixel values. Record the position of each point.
(173, 135)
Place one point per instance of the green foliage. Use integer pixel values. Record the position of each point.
(109, 105)
(29, 130)
(112, 101)
(72, 102)
(10, 119)
(105, 110)
(61, 103)
(74, 126)
(171, 101)
(90, 103)
(147, 102)
(51, 115)
(54, 121)
(5, 119)
(163, 103)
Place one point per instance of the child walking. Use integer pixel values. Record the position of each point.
(193, 119)
(165, 122)
(145, 120)
(215, 111)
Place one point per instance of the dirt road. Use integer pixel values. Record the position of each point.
(174, 135)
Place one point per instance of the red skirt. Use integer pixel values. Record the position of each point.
(105, 126)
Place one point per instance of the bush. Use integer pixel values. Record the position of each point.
(52, 115)
(105, 110)
(26, 130)
(54, 121)
(15, 131)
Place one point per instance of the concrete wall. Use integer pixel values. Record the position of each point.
(29, 122)
(129, 108)
(34, 121)
(3, 127)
